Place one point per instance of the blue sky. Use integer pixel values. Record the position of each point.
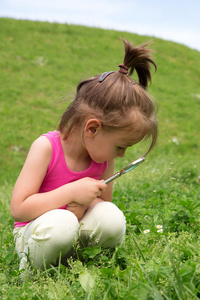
(175, 20)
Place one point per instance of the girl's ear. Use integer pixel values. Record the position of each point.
(92, 127)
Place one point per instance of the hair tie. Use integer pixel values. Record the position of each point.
(123, 69)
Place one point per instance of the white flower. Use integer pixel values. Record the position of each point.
(175, 140)
(159, 226)
(146, 231)
(160, 230)
(41, 61)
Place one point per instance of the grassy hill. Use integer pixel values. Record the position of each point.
(40, 65)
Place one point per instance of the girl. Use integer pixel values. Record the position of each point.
(60, 195)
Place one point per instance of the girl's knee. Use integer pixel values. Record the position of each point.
(112, 225)
(108, 213)
(56, 226)
(53, 233)
(111, 218)
(105, 225)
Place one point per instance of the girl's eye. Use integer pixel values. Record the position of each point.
(121, 148)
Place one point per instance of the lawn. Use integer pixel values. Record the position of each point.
(41, 65)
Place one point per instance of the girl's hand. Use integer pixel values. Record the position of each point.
(87, 190)
(77, 209)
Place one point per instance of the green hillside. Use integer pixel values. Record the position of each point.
(40, 66)
(42, 63)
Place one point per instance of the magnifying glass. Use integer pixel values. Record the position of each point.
(128, 168)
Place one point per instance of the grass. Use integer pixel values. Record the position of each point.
(41, 64)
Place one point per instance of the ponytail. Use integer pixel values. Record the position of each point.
(139, 59)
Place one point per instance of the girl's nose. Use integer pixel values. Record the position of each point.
(121, 153)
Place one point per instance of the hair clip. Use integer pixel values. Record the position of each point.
(134, 83)
(104, 75)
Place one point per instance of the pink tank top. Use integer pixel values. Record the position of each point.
(58, 172)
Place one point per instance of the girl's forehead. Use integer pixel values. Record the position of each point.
(128, 138)
(125, 138)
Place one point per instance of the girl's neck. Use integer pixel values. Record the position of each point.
(76, 155)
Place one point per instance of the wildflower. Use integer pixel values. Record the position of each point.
(175, 140)
(41, 61)
(160, 230)
(146, 231)
(159, 226)
(197, 96)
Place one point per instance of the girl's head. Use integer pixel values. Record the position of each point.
(118, 102)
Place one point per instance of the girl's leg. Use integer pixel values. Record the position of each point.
(103, 224)
(46, 238)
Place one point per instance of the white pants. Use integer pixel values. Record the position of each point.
(54, 233)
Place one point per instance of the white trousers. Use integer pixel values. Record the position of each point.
(53, 234)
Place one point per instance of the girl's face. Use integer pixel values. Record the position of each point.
(102, 145)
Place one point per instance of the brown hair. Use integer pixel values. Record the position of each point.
(116, 100)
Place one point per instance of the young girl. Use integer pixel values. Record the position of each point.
(60, 196)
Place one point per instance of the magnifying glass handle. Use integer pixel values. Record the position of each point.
(116, 175)
(128, 168)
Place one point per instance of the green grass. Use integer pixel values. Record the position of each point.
(41, 64)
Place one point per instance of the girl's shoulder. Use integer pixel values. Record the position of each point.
(41, 145)
(46, 139)
(51, 135)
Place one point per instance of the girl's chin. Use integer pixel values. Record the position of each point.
(99, 161)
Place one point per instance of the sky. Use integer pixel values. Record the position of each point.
(173, 20)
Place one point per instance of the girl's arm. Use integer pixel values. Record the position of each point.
(79, 210)
(107, 194)
(27, 204)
